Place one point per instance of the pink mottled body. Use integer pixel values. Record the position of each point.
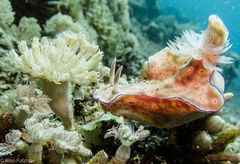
(162, 113)
(180, 87)
(180, 97)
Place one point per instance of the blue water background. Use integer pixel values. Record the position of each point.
(198, 11)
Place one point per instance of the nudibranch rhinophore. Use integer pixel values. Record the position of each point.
(183, 82)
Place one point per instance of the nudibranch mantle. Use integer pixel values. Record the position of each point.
(182, 85)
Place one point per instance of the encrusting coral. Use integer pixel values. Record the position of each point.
(165, 99)
(67, 58)
(111, 36)
(10, 33)
(59, 23)
(6, 14)
(108, 24)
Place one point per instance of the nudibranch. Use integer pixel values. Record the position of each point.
(183, 82)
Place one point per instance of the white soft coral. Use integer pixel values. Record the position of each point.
(58, 62)
(68, 57)
(12, 143)
(32, 100)
(70, 141)
(41, 130)
(127, 136)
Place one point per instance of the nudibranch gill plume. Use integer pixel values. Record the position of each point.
(183, 82)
